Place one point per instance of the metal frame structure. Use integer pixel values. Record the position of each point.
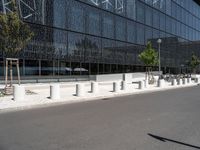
(119, 4)
(32, 8)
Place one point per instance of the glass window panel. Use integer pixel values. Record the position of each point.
(150, 2)
(76, 44)
(131, 9)
(120, 52)
(162, 5)
(64, 68)
(92, 48)
(46, 67)
(108, 5)
(1, 67)
(155, 35)
(173, 26)
(120, 7)
(148, 16)
(93, 2)
(140, 34)
(162, 21)
(31, 67)
(76, 17)
(168, 24)
(131, 32)
(159, 4)
(173, 9)
(94, 22)
(120, 28)
(140, 12)
(155, 19)
(60, 43)
(108, 50)
(148, 34)
(59, 14)
(168, 7)
(108, 26)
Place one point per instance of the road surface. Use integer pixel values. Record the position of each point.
(167, 120)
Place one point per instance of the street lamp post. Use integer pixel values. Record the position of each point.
(159, 65)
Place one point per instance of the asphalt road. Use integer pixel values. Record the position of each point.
(168, 120)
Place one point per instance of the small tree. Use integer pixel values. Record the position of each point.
(14, 36)
(194, 62)
(150, 58)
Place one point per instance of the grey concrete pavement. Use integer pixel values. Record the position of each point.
(171, 117)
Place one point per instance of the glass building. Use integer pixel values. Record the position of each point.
(86, 37)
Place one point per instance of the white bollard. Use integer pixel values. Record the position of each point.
(116, 86)
(80, 89)
(180, 82)
(146, 83)
(197, 80)
(19, 93)
(161, 83)
(189, 80)
(55, 91)
(184, 81)
(174, 83)
(124, 85)
(94, 87)
(141, 85)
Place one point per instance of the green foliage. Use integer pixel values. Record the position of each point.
(149, 56)
(14, 33)
(194, 62)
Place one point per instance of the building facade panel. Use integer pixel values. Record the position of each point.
(105, 36)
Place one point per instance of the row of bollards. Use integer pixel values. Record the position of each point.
(183, 81)
(19, 91)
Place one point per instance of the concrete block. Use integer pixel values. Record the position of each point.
(106, 77)
(80, 89)
(55, 91)
(19, 93)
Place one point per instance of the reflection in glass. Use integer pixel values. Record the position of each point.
(108, 26)
(131, 9)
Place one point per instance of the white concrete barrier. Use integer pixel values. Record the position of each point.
(184, 81)
(80, 89)
(174, 82)
(161, 83)
(55, 91)
(116, 86)
(180, 81)
(19, 93)
(141, 85)
(124, 85)
(94, 87)
(189, 80)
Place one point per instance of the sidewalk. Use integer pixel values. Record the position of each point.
(38, 95)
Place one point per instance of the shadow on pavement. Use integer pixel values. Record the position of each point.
(170, 140)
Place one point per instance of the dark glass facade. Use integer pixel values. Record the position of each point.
(106, 36)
